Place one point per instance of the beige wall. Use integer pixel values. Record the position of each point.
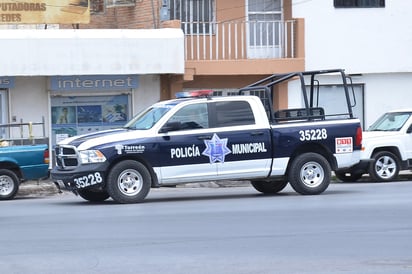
(238, 73)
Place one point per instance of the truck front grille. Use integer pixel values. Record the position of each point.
(66, 157)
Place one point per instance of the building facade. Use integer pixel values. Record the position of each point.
(228, 43)
(370, 39)
(136, 52)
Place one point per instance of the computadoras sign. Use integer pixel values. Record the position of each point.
(44, 12)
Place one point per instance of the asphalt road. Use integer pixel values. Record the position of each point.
(351, 228)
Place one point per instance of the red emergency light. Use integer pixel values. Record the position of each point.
(194, 93)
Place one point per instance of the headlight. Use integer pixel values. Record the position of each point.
(91, 156)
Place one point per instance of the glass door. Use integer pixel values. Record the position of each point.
(264, 28)
(3, 113)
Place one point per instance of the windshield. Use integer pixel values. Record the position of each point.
(148, 118)
(390, 122)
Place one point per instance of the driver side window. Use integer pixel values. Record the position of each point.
(191, 117)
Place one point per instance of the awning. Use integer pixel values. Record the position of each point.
(32, 52)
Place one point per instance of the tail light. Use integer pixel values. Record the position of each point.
(358, 140)
(46, 156)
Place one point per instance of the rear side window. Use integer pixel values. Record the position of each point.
(234, 113)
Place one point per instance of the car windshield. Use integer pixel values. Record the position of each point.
(148, 118)
(390, 122)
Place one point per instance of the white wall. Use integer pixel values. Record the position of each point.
(33, 52)
(372, 42)
(386, 92)
(29, 103)
(360, 40)
(147, 93)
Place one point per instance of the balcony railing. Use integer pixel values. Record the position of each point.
(239, 40)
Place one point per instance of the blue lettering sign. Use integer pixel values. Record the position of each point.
(6, 82)
(93, 82)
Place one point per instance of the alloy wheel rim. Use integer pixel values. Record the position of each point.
(6, 185)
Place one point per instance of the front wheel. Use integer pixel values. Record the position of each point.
(128, 182)
(269, 187)
(93, 195)
(309, 174)
(9, 184)
(385, 166)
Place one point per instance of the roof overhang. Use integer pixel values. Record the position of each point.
(91, 52)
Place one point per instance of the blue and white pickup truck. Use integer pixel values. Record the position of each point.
(19, 163)
(202, 138)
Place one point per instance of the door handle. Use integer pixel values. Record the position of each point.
(204, 137)
(256, 133)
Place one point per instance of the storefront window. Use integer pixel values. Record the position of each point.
(76, 115)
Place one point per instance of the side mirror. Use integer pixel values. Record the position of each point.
(409, 129)
(171, 126)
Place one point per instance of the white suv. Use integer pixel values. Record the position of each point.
(386, 148)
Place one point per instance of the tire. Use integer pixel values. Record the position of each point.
(93, 194)
(272, 187)
(348, 176)
(128, 182)
(385, 166)
(309, 174)
(9, 184)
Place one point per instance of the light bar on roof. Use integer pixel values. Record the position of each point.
(194, 93)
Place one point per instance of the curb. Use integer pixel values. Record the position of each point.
(37, 188)
(48, 188)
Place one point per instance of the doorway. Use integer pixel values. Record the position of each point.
(265, 29)
(3, 113)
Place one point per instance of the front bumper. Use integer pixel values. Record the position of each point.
(83, 176)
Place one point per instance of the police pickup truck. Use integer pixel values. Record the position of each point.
(204, 138)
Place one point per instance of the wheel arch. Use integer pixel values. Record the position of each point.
(314, 148)
(393, 149)
(12, 167)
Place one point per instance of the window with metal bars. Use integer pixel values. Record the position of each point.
(196, 16)
(96, 6)
(264, 22)
(359, 3)
(120, 3)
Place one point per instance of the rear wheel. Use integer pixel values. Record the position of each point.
(9, 184)
(385, 166)
(93, 195)
(128, 182)
(309, 174)
(269, 187)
